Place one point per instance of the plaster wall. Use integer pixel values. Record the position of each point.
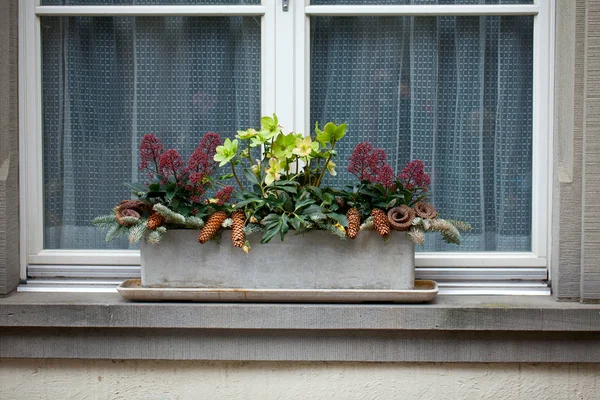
(149, 380)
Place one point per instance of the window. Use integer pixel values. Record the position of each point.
(462, 84)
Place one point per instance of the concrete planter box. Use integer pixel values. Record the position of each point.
(315, 260)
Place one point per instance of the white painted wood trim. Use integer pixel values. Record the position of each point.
(86, 257)
(268, 60)
(425, 10)
(132, 11)
(30, 139)
(543, 33)
(457, 260)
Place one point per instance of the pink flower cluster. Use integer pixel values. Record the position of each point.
(224, 195)
(369, 164)
(170, 164)
(413, 176)
(150, 150)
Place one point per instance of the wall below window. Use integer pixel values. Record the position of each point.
(148, 380)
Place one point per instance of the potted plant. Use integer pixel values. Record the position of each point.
(281, 202)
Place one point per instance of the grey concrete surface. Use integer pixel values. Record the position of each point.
(315, 260)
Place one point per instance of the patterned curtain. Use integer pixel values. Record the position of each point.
(455, 92)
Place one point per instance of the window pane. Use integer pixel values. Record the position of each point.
(144, 2)
(108, 81)
(416, 2)
(455, 92)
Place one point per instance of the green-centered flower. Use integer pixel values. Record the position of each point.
(305, 146)
(283, 145)
(331, 168)
(226, 152)
(273, 172)
(248, 134)
(255, 169)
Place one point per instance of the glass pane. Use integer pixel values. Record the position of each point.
(416, 2)
(455, 92)
(108, 81)
(145, 2)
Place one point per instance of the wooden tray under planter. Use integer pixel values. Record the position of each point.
(423, 291)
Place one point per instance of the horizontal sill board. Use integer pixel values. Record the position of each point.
(133, 11)
(445, 313)
(437, 274)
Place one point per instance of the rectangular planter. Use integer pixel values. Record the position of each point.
(314, 260)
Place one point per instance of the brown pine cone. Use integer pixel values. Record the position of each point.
(425, 210)
(155, 221)
(401, 218)
(353, 223)
(238, 237)
(213, 224)
(380, 221)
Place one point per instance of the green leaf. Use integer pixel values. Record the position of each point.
(243, 203)
(303, 203)
(341, 218)
(284, 226)
(250, 176)
(339, 131)
(297, 222)
(267, 123)
(316, 191)
(226, 176)
(183, 209)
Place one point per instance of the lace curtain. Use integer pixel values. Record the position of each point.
(455, 92)
(107, 81)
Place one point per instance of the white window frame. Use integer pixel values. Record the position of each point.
(285, 87)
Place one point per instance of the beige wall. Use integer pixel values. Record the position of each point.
(149, 380)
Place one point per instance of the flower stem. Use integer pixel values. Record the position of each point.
(236, 177)
(325, 166)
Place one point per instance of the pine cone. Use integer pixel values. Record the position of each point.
(401, 218)
(380, 220)
(238, 237)
(213, 224)
(155, 221)
(353, 223)
(425, 210)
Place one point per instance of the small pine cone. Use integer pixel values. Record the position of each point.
(238, 237)
(212, 226)
(353, 223)
(401, 218)
(155, 221)
(425, 210)
(380, 220)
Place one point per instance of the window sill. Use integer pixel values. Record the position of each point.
(452, 329)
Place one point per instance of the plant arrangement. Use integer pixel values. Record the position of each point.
(279, 180)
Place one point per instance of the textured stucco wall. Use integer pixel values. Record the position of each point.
(9, 154)
(149, 380)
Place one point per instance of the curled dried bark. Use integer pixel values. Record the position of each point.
(401, 218)
(425, 210)
(128, 212)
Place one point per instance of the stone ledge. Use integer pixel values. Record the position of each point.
(452, 329)
(446, 313)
